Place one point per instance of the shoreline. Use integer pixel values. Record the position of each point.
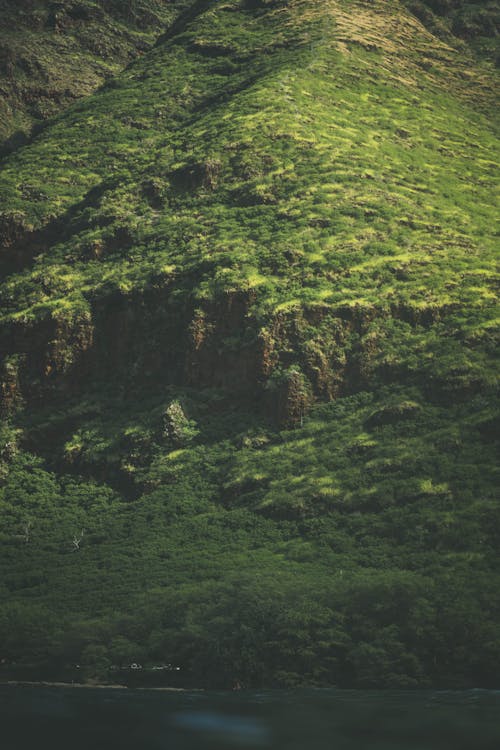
(88, 686)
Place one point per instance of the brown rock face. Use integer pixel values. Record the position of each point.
(144, 337)
(292, 399)
(19, 242)
(42, 356)
(72, 339)
(10, 390)
(223, 348)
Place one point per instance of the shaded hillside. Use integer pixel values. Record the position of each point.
(55, 52)
(477, 22)
(248, 378)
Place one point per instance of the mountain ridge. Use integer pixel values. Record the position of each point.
(248, 341)
(54, 53)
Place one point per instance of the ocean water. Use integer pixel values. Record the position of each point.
(108, 719)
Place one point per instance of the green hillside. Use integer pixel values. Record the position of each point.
(476, 22)
(52, 53)
(249, 379)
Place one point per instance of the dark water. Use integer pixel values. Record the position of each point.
(95, 719)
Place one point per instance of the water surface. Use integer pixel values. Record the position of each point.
(109, 719)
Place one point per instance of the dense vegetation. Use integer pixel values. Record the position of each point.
(52, 53)
(475, 21)
(249, 387)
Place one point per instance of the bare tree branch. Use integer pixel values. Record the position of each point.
(77, 540)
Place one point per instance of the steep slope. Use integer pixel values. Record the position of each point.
(53, 53)
(250, 297)
(476, 22)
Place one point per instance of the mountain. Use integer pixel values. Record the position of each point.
(476, 22)
(52, 53)
(249, 378)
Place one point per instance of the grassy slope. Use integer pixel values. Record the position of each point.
(55, 53)
(307, 189)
